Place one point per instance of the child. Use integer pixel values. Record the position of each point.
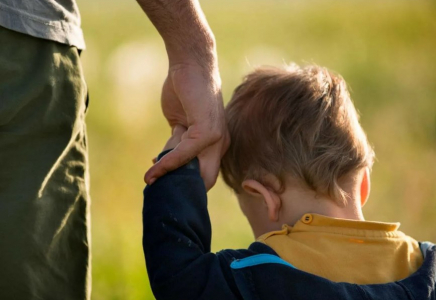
(299, 163)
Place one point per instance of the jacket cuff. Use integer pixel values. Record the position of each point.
(193, 164)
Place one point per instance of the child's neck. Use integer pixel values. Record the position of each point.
(297, 202)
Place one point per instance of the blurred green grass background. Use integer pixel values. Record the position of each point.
(384, 49)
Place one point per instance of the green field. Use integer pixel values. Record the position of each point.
(385, 51)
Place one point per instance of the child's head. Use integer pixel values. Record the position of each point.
(295, 128)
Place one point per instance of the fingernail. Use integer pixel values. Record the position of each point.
(152, 181)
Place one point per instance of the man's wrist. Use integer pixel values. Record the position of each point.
(200, 52)
(184, 29)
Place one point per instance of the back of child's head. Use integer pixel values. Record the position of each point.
(297, 122)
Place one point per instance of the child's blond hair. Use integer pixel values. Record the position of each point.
(297, 122)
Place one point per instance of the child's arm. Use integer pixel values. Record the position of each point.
(177, 236)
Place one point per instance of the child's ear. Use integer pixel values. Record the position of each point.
(271, 199)
(365, 187)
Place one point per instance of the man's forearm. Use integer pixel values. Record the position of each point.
(184, 29)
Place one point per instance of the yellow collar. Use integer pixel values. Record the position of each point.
(324, 224)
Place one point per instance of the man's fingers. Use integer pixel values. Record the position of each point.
(177, 133)
(155, 172)
(182, 154)
(210, 159)
(209, 150)
(209, 168)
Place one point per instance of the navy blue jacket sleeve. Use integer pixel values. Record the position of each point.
(177, 237)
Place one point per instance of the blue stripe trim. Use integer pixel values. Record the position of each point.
(259, 259)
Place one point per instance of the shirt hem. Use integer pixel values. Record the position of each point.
(60, 31)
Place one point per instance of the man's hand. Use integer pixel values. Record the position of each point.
(176, 137)
(191, 97)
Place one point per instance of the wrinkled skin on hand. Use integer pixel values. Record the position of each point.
(191, 97)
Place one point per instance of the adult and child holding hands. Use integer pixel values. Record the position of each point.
(288, 143)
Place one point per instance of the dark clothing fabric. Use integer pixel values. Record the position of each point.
(176, 241)
(281, 282)
(44, 200)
